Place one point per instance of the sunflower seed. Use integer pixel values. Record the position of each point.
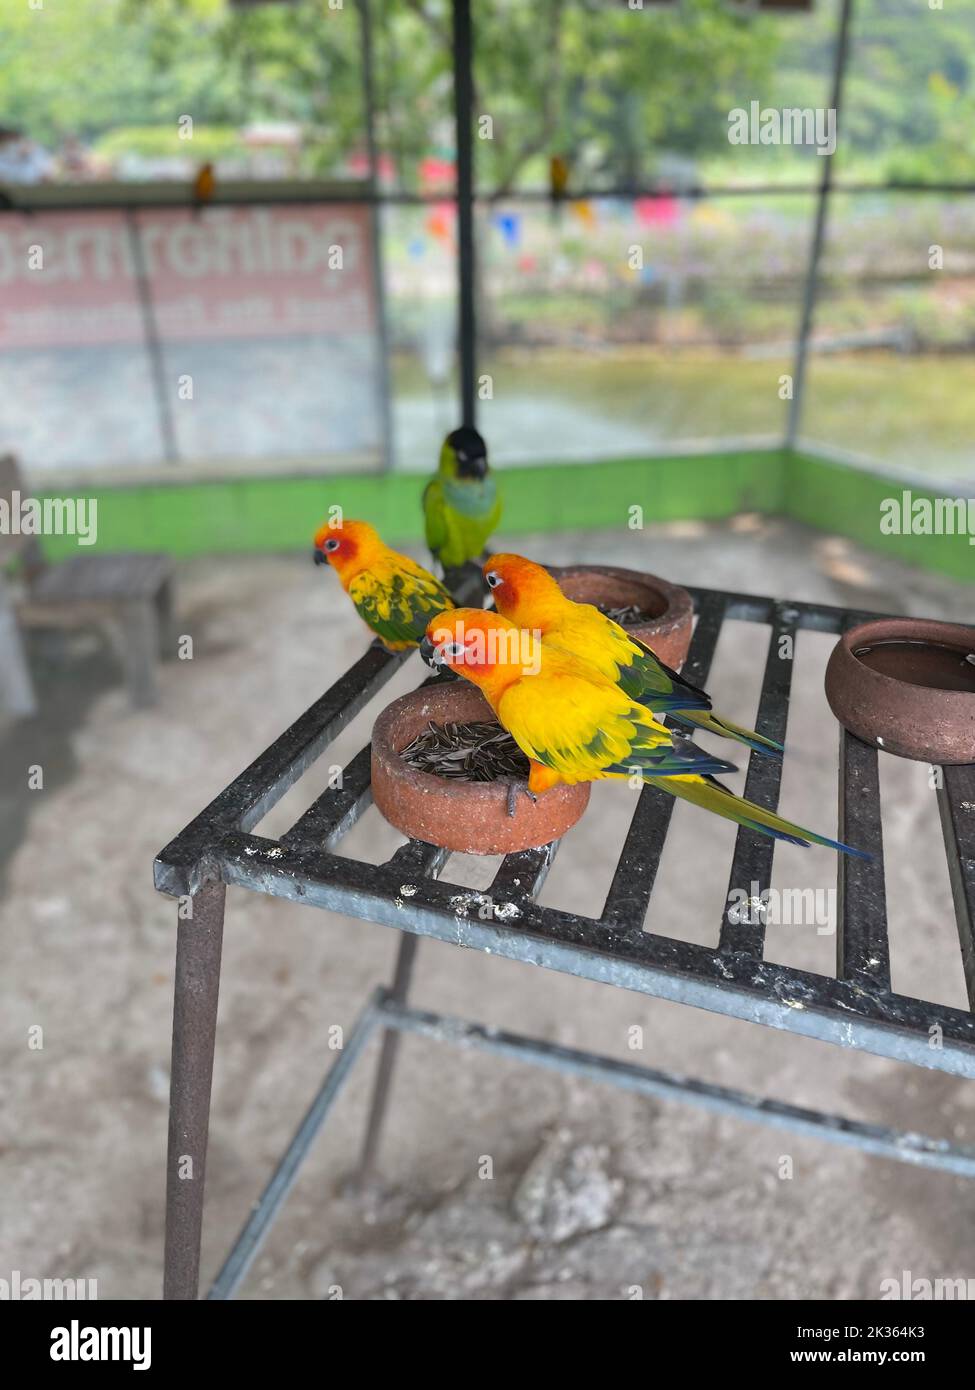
(631, 613)
(480, 751)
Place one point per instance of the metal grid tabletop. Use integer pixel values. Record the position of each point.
(854, 1008)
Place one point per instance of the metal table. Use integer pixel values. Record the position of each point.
(856, 1008)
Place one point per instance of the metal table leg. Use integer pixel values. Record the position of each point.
(387, 1056)
(198, 946)
(16, 686)
(140, 650)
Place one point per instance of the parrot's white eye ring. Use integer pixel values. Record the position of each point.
(449, 651)
(331, 545)
(493, 578)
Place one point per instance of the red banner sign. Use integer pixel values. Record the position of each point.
(71, 279)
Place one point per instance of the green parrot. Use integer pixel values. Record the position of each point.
(461, 506)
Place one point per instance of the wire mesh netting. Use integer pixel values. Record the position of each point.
(654, 304)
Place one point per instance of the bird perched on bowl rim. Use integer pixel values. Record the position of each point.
(461, 504)
(393, 595)
(527, 594)
(575, 725)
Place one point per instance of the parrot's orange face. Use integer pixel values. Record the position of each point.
(484, 647)
(522, 590)
(344, 544)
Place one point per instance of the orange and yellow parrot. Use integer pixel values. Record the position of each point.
(575, 725)
(571, 723)
(204, 187)
(528, 595)
(393, 595)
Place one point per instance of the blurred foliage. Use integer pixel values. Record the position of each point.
(154, 141)
(607, 87)
(611, 88)
(98, 66)
(910, 93)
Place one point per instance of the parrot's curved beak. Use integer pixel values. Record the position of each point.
(319, 556)
(428, 650)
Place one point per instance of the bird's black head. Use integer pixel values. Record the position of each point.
(470, 451)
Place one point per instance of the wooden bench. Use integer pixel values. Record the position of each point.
(130, 595)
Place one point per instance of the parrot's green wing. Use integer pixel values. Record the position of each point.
(588, 633)
(646, 678)
(434, 516)
(584, 731)
(399, 605)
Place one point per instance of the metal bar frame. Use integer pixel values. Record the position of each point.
(382, 1010)
(405, 960)
(199, 943)
(153, 341)
(463, 58)
(819, 232)
(854, 1009)
(375, 221)
(267, 197)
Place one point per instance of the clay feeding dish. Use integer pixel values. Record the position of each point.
(670, 611)
(467, 817)
(908, 686)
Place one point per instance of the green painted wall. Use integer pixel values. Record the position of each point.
(281, 513)
(247, 514)
(835, 497)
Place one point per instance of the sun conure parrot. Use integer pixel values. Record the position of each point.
(528, 595)
(572, 724)
(575, 725)
(461, 505)
(393, 595)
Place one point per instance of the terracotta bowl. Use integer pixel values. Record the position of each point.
(898, 712)
(667, 634)
(469, 817)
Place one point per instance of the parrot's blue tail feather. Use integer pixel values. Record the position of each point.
(714, 724)
(812, 839)
(714, 796)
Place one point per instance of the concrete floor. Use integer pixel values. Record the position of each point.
(593, 1194)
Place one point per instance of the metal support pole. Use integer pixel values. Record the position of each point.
(16, 686)
(375, 226)
(198, 945)
(903, 1146)
(272, 1199)
(819, 232)
(463, 102)
(387, 1056)
(153, 344)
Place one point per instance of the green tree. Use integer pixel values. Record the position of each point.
(607, 86)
